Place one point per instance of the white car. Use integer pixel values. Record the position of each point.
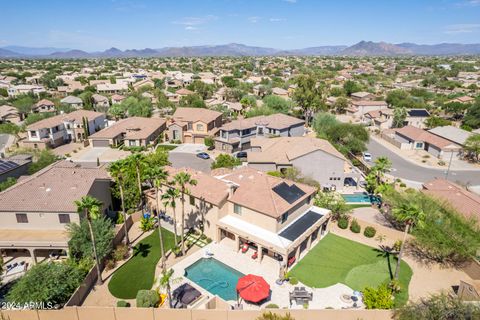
(367, 156)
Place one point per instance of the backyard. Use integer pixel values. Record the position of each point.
(339, 260)
(139, 272)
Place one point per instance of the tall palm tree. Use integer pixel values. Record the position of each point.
(182, 180)
(382, 165)
(412, 215)
(117, 169)
(90, 207)
(138, 162)
(166, 281)
(169, 198)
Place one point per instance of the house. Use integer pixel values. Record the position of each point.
(273, 216)
(100, 101)
(9, 114)
(111, 88)
(315, 158)
(63, 128)
(237, 134)
(20, 89)
(43, 105)
(416, 118)
(463, 201)
(72, 101)
(380, 119)
(463, 99)
(192, 125)
(413, 138)
(117, 98)
(362, 96)
(280, 92)
(453, 134)
(143, 83)
(183, 92)
(35, 211)
(359, 108)
(14, 166)
(132, 132)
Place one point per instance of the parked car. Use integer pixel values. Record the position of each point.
(203, 155)
(367, 156)
(241, 154)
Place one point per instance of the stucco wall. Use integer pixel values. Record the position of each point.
(321, 166)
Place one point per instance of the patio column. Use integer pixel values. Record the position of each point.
(32, 255)
(237, 242)
(260, 253)
(309, 242)
(297, 253)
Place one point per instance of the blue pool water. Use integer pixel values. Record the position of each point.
(360, 198)
(215, 277)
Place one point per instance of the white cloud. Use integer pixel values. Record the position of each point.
(276, 19)
(190, 28)
(462, 28)
(290, 1)
(195, 21)
(253, 19)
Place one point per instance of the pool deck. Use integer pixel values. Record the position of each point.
(269, 269)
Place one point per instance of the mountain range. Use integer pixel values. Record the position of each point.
(363, 48)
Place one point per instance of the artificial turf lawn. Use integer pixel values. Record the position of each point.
(139, 272)
(335, 259)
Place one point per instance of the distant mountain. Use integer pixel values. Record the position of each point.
(369, 48)
(363, 48)
(31, 51)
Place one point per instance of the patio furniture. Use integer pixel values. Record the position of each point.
(300, 295)
(184, 295)
(255, 255)
(253, 288)
(244, 248)
(291, 261)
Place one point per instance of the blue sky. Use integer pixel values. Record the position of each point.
(284, 24)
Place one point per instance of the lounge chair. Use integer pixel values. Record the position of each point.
(255, 255)
(185, 295)
(244, 248)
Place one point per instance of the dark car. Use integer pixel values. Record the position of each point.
(203, 155)
(241, 154)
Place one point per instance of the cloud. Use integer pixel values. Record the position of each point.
(276, 19)
(190, 28)
(290, 1)
(195, 21)
(468, 3)
(253, 19)
(462, 28)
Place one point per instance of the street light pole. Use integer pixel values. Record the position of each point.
(449, 165)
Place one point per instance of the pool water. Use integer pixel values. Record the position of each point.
(360, 198)
(215, 277)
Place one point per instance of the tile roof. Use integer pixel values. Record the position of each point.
(369, 103)
(418, 134)
(274, 121)
(53, 189)
(44, 102)
(133, 128)
(71, 100)
(195, 114)
(75, 117)
(452, 133)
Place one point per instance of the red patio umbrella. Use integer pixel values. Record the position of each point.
(253, 288)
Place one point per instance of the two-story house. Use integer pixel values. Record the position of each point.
(43, 105)
(193, 125)
(34, 212)
(63, 128)
(72, 101)
(237, 134)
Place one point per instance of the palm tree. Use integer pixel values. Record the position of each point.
(169, 198)
(117, 171)
(182, 179)
(138, 161)
(166, 281)
(382, 165)
(90, 206)
(412, 215)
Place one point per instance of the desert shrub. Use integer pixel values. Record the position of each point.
(343, 223)
(123, 304)
(293, 281)
(271, 306)
(120, 252)
(355, 227)
(147, 298)
(378, 298)
(369, 232)
(109, 264)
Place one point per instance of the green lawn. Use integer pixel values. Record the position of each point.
(358, 205)
(335, 259)
(139, 272)
(166, 147)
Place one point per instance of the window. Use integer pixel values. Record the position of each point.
(419, 145)
(33, 134)
(192, 201)
(224, 134)
(284, 217)
(260, 131)
(64, 218)
(246, 131)
(199, 127)
(237, 209)
(131, 143)
(189, 126)
(21, 218)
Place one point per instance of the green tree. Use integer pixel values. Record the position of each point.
(435, 121)
(472, 146)
(4, 185)
(276, 103)
(472, 117)
(334, 202)
(224, 160)
(169, 198)
(308, 96)
(382, 166)
(192, 101)
(230, 82)
(399, 116)
(44, 158)
(183, 180)
(166, 281)
(24, 104)
(323, 123)
(350, 87)
(411, 215)
(378, 298)
(90, 207)
(340, 105)
(137, 161)
(117, 170)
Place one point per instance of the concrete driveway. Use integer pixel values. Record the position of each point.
(192, 148)
(405, 169)
(189, 160)
(104, 155)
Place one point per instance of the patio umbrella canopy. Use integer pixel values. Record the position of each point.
(253, 288)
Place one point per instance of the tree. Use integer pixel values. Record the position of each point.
(90, 207)
(472, 146)
(50, 282)
(340, 105)
(411, 215)
(192, 101)
(116, 169)
(137, 160)
(169, 198)
(334, 202)
(24, 104)
(230, 82)
(45, 158)
(350, 87)
(323, 122)
(435, 121)
(399, 116)
(248, 101)
(382, 166)
(166, 280)
(472, 118)
(183, 180)
(308, 96)
(4, 185)
(378, 298)
(276, 103)
(224, 160)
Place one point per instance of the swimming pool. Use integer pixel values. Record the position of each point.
(360, 198)
(215, 277)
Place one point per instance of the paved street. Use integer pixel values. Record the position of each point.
(410, 171)
(186, 159)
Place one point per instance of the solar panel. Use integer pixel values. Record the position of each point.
(297, 228)
(7, 165)
(289, 193)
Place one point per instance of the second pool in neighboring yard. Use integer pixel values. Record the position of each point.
(215, 277)
(360, 198)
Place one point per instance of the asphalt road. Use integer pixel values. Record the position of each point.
(410, 171)
(190, 160)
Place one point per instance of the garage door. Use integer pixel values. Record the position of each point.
(100, 143)
(198, 140)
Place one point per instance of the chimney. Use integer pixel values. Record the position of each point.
(231, 188)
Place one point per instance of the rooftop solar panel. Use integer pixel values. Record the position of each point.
(7, 165)
(289, 193)
(296, 229)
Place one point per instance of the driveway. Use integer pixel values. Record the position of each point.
(410, 171)
(192, 148)
(5, 140)
(189, 160)
(90, 155)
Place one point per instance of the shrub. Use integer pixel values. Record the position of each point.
(293, 281)
(109, 264)
(369, 232)
(379, 298)
(403, 185)
(120, 252)
(355, 227)
(123, 304)
(271, 306)
(225, 161)
(209, 142)
(208, 240)
(147, 298)
(343, 223)
(147, 224)
(397, 245)
(441, 163)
